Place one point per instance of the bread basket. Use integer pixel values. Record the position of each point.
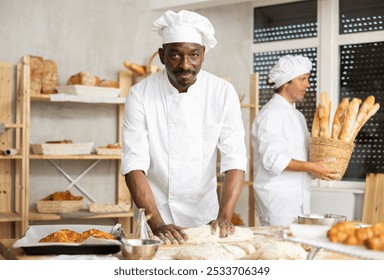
(62, 206)
(328, 148)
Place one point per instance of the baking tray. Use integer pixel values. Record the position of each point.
(315, 236)
(72, 250)
(31, 245)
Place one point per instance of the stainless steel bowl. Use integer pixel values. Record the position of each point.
(321, 219)
(139, 249)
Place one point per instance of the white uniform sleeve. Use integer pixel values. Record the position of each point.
(268, 132)
(232, 137)
(135, 148)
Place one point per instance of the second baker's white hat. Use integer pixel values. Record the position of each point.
(185, 27)
(287, 68)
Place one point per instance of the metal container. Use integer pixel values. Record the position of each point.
(139, 249)
(321, 219)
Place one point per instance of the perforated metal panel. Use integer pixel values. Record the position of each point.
(285, 22)
(361, 16)
(361, 75)
(263, 62)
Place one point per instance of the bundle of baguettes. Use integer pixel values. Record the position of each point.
(348, 120)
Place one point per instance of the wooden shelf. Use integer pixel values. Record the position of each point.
(92, 157)
(10, 217)
(13, 125)
(77, 99)
(34, 216)
(11, 157)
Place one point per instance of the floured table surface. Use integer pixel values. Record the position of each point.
(267, 243)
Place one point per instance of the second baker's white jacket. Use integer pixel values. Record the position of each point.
(173, 137)
(279, 134)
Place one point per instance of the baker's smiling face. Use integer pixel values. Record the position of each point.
(183, 62)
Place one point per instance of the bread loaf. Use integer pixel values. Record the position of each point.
(324, 113)
(361, 120)
(50, 77)
(338, 119)
(316, 124)
(349, 120)
(37, 70)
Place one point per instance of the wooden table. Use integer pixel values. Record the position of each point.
(10, 253)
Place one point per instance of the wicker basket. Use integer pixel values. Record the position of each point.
(108, 151)
(324, 148)
(108, 208)
(62, 206)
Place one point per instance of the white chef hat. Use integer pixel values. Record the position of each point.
(287, 68)
(187, 27)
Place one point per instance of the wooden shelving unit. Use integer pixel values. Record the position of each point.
(13, 168)
(253, 107)
(14, 192)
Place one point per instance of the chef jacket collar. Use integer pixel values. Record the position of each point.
(173, 90)
(284, 101)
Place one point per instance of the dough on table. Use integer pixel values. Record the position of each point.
(247, 246)
(280, 250)
(213, 251)
(202, 234)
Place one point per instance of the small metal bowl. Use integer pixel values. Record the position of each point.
(320, 219)
(139, 249)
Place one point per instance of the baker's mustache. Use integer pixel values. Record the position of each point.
(183, 72)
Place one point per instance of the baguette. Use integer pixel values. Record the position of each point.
(135, 68)
(338, 119)
(349, 120)
(364, 108)
(324, 113)
(363, 119)
(316, 124)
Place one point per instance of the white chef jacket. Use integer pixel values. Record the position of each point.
(279, 134)
(173, 137)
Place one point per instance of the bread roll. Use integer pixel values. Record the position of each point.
(360, 121)
(338, 119)
(85, 79)
(316, 124)
(324, 113)
(349, 120)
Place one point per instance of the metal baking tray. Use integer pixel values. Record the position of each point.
(31, 245)
(72, 250)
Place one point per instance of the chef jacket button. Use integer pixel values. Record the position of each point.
(173, 153)
(169, 99)
(171, 125)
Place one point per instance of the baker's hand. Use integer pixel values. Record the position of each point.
(323, 171)
(225, 227)
(171, 234)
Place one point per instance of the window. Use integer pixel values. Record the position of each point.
(351, 64)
